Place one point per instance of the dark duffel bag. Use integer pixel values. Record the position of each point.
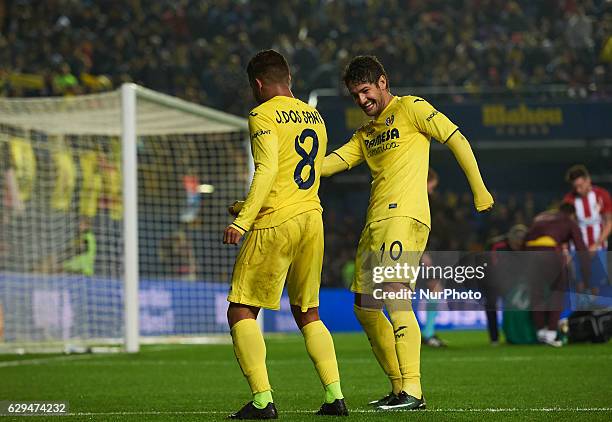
(593, 326)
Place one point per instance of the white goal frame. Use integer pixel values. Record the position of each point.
(194, 117)
(129, 98)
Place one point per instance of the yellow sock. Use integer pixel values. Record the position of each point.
(380, 333)
(408, 349)
(320, 347)
(250, 350)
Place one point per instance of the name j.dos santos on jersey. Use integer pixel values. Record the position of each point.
(295, 116)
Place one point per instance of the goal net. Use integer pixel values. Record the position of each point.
(111, 218)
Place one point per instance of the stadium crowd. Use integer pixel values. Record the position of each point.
(197, 50)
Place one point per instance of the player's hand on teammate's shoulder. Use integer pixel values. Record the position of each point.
(231, 236)
(235, 208)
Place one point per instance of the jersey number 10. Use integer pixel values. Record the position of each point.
(308, 158)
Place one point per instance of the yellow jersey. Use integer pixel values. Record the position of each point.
(396, 148)
(288, 141)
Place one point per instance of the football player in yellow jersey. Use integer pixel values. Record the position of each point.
(395, 146)
(281, 217)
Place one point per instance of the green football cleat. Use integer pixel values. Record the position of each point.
(336, 408)
(404, 401)
(382, 401)
(251, 412)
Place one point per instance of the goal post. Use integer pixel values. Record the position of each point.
(130, 215)
(113, 207)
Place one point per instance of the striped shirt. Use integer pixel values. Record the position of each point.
(590, 213)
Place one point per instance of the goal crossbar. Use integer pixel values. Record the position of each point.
(52, 112)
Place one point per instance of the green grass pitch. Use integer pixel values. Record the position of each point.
(468, 381)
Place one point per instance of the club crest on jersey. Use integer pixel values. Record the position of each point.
(389, 121)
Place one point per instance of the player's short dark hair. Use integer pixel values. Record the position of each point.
(574, 172)
(270, 66)
(567, 208)
(364, 69)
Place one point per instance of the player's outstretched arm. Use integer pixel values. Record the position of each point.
(344, 158)
(483, 200)
(435, 124)
(333, 164)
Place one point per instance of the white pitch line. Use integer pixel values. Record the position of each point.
(108, 360)
(308, 411)
(44, 361)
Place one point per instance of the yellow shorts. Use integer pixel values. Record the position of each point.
(292, 251)
(386, 244)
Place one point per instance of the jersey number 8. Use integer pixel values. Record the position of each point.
(308, 158)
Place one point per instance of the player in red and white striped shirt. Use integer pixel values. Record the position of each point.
(594, 214)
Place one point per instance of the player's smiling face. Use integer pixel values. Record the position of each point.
(372, 98)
